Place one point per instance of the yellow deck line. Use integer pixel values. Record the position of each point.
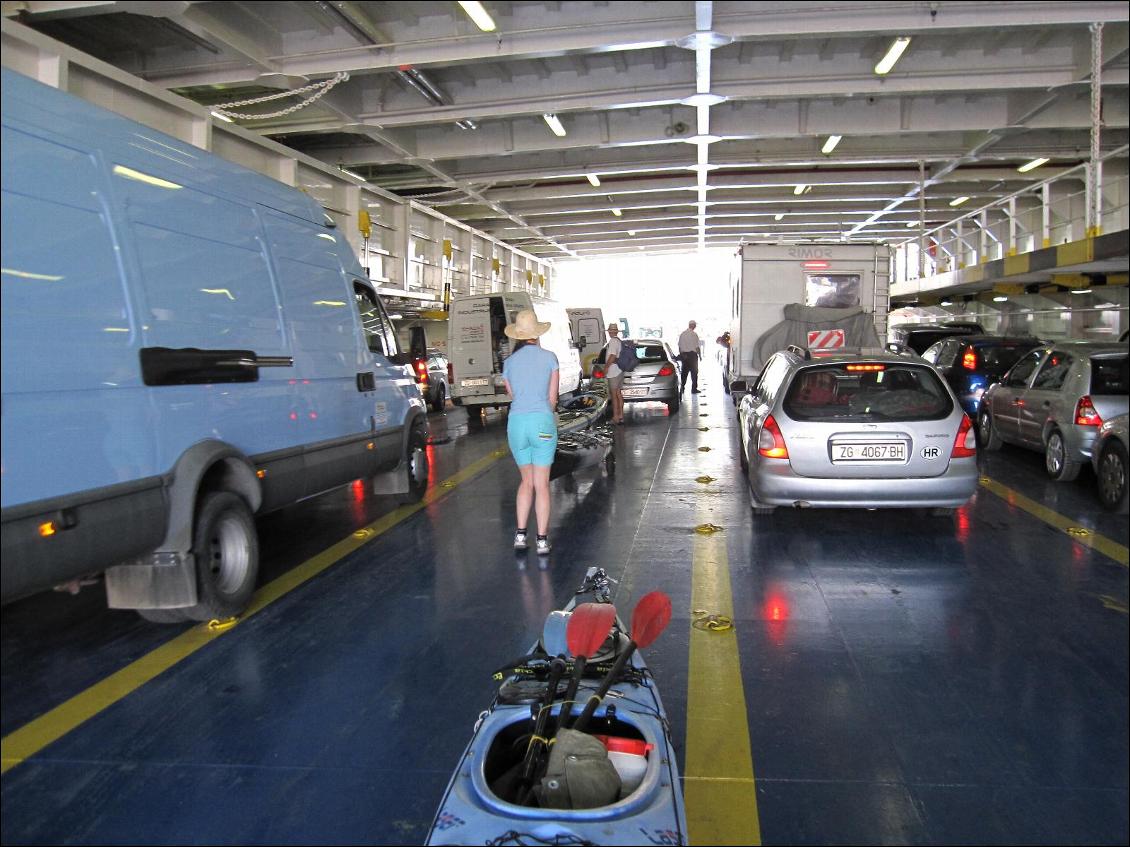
(1079, 534)
(29, 739)
(719, 791)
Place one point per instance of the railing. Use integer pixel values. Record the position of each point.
(1014, 224)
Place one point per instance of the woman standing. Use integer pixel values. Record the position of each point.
(532, 378)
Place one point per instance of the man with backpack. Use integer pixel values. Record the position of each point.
(613, 374)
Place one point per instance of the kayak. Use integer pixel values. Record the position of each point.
(582, 441)
(610, 778)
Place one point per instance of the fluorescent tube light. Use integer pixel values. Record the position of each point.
(893, 54)
(348, 172)
(778, 216)
(617, 212)
(222, 116)
(1080, 291)
(1000, 299)
(911, 224)
(594, 180)
(830, 144)
(1031, 166)
(555, 124)
(478, 14)
(800, 189)
(957, 201)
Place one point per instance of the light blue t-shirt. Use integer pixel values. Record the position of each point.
(528, 372)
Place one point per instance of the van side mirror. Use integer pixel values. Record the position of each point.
(418, 343)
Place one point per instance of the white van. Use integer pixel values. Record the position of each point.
(477, 346)
(588, 330)
(186, 343)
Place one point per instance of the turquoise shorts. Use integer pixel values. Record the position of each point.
(533, 438)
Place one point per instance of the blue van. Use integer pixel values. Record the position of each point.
(186, 343)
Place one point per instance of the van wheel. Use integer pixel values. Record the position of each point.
(227, 557)
(1060, 467)
(441, 400)
(418, 464)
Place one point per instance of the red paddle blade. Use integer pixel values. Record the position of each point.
(588, 627)
(650, 617)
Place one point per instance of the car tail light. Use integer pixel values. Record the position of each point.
(598, 372)
(1086, 414)
(969, 360)
(866, 368)
(771, 443)
(965, 444)
(421, 366)
(666, 370)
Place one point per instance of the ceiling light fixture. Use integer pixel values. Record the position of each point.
(555, 125)
(703, 139)
(594, 180)
(1000, 299)
(631, 232)
(957, 201)
(478, 14)
(617, 212)
(1080, 291)
(703, 98)
(222, 117)
(1031, 166)
(778, 216)
(830, 144)
(911, 224)
(800, 189)
(893, 53)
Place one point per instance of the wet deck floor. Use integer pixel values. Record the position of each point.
(902, 680)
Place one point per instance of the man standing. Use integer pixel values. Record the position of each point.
(613, 374)
(688, 355)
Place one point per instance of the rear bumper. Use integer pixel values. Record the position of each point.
(774, 483)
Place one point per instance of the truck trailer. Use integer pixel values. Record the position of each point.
(820, 296)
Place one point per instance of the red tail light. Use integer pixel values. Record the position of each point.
(771, 443)
(421, 366)
(1086, 414)
(966, 442)
(867, 368)
(969, 360)
(666, 370)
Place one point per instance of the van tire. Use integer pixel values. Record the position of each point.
(441, 400)
(417, 464)
(227, 557)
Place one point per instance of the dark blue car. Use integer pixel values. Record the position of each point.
(971, 363)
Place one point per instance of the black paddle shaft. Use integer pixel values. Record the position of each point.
(614, 672)
(529, 765)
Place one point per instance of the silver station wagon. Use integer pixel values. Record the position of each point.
(874, 429)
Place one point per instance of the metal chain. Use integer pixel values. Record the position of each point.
(320, 89)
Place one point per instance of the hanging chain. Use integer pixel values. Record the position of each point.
(320, 89)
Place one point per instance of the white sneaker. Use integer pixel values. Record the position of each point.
(520, 540)
(543, 546)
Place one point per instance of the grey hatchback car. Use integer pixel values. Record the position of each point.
(874, 429)
(656, 377)
(1055, 399)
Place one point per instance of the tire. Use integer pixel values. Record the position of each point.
(163, 615)
(418, 465)
(441, 399)
(673, 406)
(1059, 466)
(987, 433)
(1112, 477)
(475, 417)
(226, 547)
(743, 457)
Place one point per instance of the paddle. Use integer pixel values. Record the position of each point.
(649, 619)
(529, 764)
(587, 629)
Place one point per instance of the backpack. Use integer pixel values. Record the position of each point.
(627, 360)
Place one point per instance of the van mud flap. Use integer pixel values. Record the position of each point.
(162, 580)
(394, 481)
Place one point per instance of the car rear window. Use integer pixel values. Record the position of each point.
(867, 391)
(1110, 375)
(651, 353)
(998, 358)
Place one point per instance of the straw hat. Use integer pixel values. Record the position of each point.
(526, 326)
(614, 326)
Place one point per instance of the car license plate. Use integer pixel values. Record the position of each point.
(471, 383)
(634, 392)
(868, 451)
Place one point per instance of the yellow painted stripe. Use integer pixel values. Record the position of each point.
(720, 795)
(53, 725)
(1079, 534)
